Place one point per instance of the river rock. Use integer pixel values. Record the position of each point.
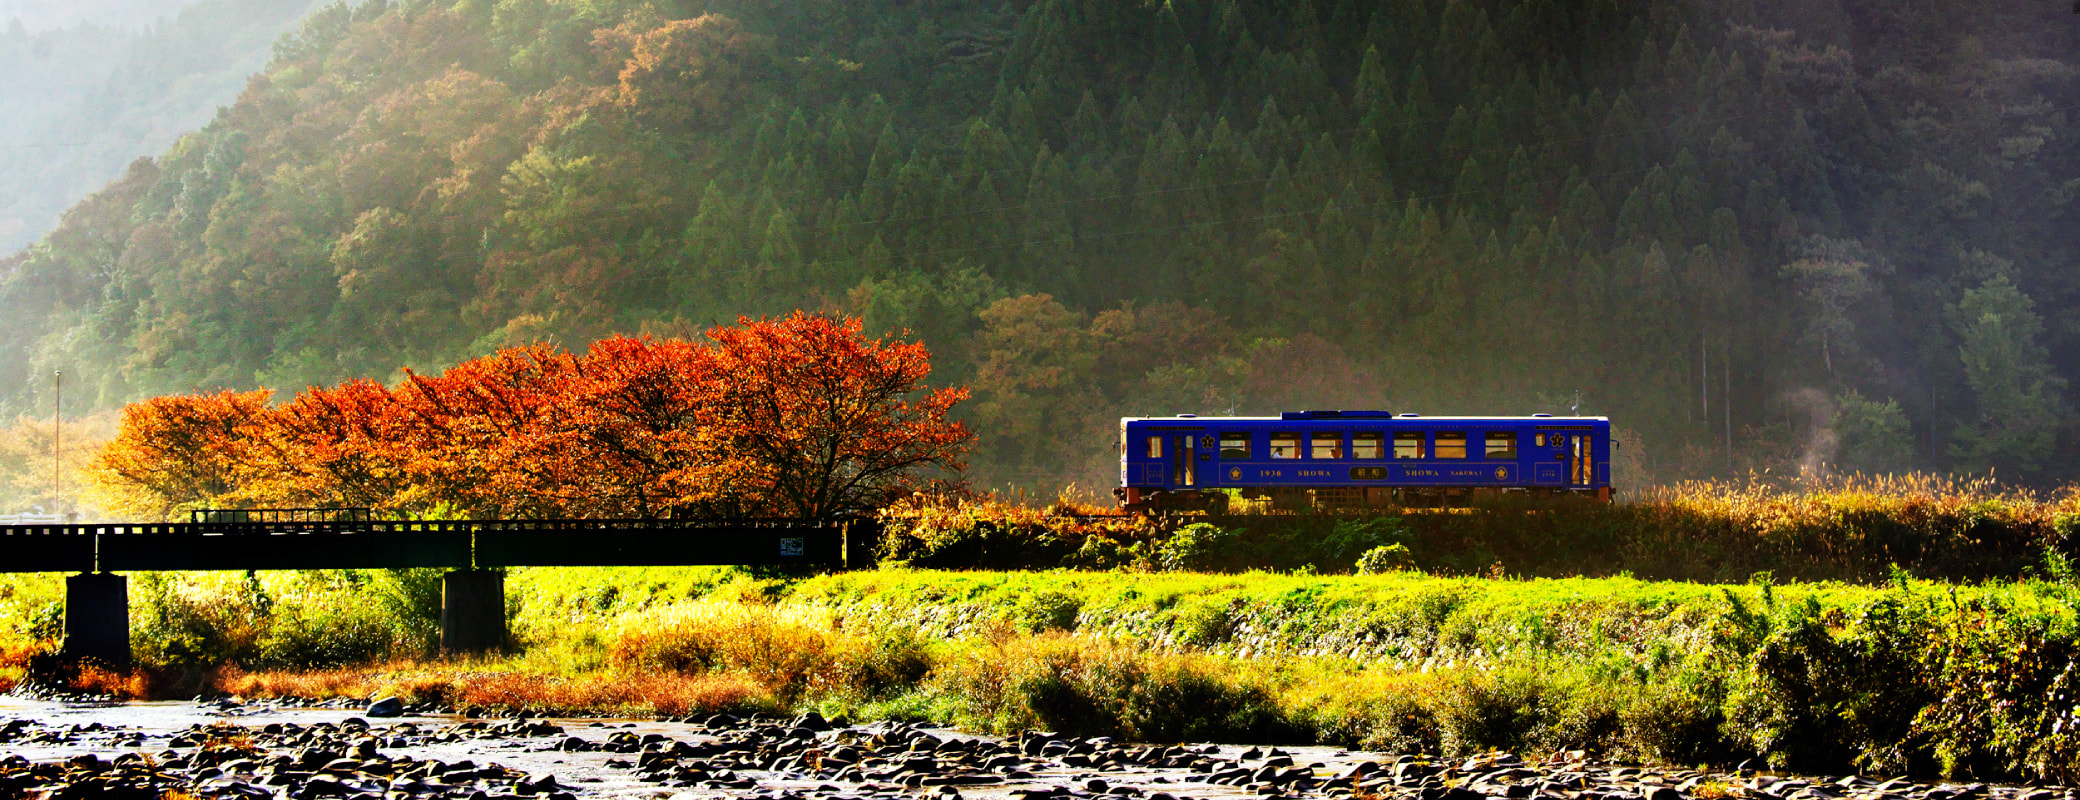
(386, 707)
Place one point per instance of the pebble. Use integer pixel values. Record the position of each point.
(808, 757)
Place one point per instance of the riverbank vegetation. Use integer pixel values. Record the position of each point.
(1854, 529)
(1906, 676)
(1884, 626)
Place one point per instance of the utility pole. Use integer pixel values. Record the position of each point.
(1726, 399)
(57, 446)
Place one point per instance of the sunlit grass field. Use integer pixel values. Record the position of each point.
(1943, 621)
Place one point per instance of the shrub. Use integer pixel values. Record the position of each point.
(882, 666)
(1203, 623)
(1352, 539)
(1384, 559)
(781, 651)
(1479, 711)
(1091, 687)
(1181, 698)
(326, 637)
(1383, 712)
(1043, 611)
(191, 627)
(997, 535)
(1197, 547)
(1675, 723)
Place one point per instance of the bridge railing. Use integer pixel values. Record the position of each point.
(204, 516)
(351, 543)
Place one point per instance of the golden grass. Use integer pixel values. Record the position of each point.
(14, 662)
(135, 684)
(467, 686)
(1916, 496)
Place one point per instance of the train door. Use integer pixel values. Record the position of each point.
(1581, 465)
(1184, 458)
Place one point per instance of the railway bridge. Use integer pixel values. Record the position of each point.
(475, 552)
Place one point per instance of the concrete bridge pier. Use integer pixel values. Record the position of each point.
(473, 611)
(97, 618)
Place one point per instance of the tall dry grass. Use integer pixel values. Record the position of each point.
(468, 687)
(1854, 528)
(780, 649)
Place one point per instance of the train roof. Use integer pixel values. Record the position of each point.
(1354, 416)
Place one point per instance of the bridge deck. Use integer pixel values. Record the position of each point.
(453, 544)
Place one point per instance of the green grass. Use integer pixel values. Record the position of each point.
(1912, 675)
(1903, 675)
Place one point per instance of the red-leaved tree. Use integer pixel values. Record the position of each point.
(829, 421)
(648, 415)
(180, 451)
(490, 436)
(801, 416)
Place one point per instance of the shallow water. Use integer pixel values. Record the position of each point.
(112, 729)
(109, 730)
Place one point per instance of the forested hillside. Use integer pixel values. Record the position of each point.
(1756, 233)
(87, 87)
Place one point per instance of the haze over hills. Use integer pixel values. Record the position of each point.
(1758, 234)
(42, 15)
(85, 88)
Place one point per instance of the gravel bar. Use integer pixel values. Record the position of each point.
(232, 749)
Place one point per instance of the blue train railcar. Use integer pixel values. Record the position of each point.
(1331, 459)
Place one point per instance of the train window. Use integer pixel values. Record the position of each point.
(1328, 444)
(1235, 444)
(1409, 444)
(1451, 444)
(1502, 444)
(1155, 447)
(1367, 445)
(1285, 445)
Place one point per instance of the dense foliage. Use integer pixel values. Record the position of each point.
(1911, 677)
(1759, 234)
(801, 416)
(1857, 530)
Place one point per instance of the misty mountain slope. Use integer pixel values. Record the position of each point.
(113, 83)
(43, 15)
(1755, 233)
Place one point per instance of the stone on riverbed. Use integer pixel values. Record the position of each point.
(386, 707)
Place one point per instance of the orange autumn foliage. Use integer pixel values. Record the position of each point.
(343, 446)
(181, 451)
(800, 416)
(818, 414)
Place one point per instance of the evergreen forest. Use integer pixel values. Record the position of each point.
(1760, 235)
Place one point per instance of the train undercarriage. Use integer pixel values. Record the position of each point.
(1292, 499)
